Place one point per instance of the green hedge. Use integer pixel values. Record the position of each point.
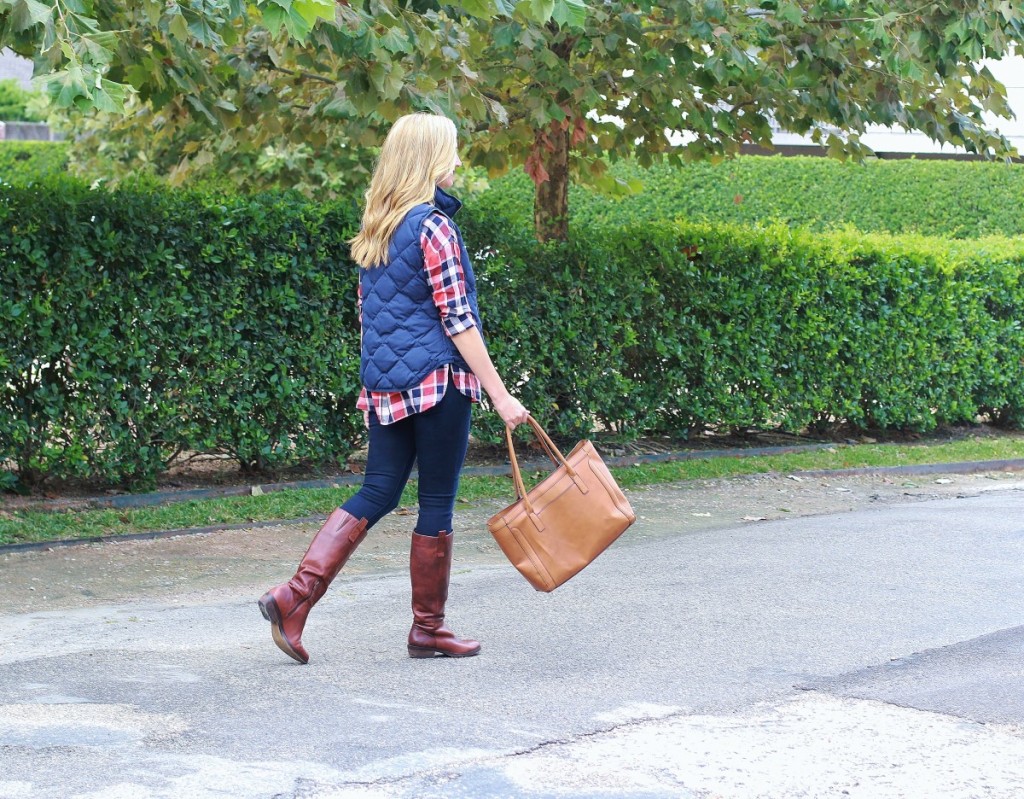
(963, 199)
(27, 161)
(142, 322)
(15, 102)
(672, 327)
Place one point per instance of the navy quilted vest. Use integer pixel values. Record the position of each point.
(403, 338)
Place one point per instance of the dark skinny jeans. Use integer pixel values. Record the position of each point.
(437, 439)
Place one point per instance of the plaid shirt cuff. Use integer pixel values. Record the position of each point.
(442, 260)
(459, 324)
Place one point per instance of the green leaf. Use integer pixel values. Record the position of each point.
(273, 18)
(504, 34)
(791, 13)
(95, 45)
(296, 25)
(482, 9)
(177, 27)
(68, 85)
(538, 10)
(201, 28)
(570, 13)
(27, 13)
(715, 10)
(110, 97)
(395, 41)
(313, 10)
(290, 16)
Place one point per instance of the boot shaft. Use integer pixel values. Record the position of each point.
(430, 564)
(328, 553)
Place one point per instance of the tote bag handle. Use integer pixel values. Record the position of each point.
(553, 452)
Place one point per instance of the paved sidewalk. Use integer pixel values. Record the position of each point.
(760, 637)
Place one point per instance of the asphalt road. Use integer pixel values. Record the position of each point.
(870, 652)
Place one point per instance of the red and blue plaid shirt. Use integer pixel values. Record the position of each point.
(448, 281)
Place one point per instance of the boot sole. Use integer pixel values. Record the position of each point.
(424, 652)
(269, 609)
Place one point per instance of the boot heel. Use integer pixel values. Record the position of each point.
(420, 652)
(265, 607)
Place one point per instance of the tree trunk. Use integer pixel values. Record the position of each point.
(551, 195)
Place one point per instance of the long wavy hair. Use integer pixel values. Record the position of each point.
(418, 151)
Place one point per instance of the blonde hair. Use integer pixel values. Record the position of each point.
(418, 151)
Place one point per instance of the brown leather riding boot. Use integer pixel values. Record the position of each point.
(287, 606)
(430, 565)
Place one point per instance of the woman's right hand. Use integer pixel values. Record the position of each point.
(511, 411)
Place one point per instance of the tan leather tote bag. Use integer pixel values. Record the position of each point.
(557, 528)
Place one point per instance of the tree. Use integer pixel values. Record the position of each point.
(225, 83)
(630, 79)
(293, 89)
(96, 53)
(269, 107)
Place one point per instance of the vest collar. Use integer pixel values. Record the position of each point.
(445, 203)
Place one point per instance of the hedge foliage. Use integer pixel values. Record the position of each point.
(27, 161)
(673, 327)
(140, 322)
(962, 199)
(15, 102)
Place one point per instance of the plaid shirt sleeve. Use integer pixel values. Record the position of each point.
(443, 263)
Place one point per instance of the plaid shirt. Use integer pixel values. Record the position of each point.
(448, 281)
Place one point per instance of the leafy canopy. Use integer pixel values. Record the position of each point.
(96, 53)
(637, 79)
(293, 91)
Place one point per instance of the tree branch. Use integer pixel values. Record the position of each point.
(300, 74)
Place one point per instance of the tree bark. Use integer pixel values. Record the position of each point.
(551, 196)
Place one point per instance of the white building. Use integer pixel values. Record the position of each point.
(13, 66)
(1009, 72)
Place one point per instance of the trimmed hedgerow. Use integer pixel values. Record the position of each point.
(675, 327)
(141, 322)
(962, 199)
(26, 161)
(16, 102)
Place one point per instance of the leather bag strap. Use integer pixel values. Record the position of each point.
(553, 452)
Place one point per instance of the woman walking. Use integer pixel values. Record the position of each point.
(423, 363)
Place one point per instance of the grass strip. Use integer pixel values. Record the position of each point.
(50, 525)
